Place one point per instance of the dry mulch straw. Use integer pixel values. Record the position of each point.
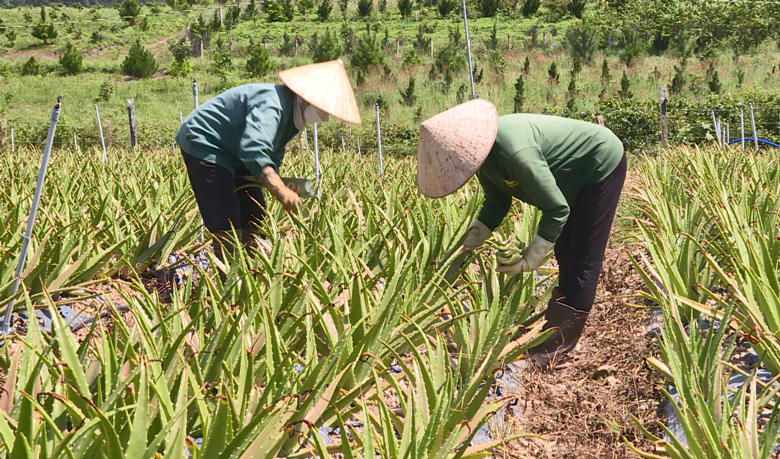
(584, 409)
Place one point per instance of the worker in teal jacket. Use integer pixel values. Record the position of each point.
(573, 171)
(243, 133)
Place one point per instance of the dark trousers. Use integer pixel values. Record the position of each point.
(580, 247)
(221, 206)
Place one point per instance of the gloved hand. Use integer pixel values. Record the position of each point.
(532, 257)
(478, 233)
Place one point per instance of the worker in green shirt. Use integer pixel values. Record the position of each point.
(573, 171)
(243, 133)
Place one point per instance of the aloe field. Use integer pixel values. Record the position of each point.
(342, 322)
(352, 331)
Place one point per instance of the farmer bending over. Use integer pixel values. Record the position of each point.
(573, 171)
(244, 131)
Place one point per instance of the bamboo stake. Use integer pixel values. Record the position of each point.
(55, 116)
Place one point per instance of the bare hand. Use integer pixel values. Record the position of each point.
(290, 200)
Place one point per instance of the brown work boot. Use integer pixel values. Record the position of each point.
(568, 324)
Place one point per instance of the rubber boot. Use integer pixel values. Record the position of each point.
(568, 324)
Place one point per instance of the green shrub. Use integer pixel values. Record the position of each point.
(625, 87)
(552, 73)
(259, 62)
(71, 60)
(489, 8)
(139, 63)
(43, 31)
(305, 6)
(411, 58)
(714, 83)
(31, 67)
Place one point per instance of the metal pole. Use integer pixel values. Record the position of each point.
(717, 128)
(753, 122)
(468, 49)
(316, 160)
(102, 141)
(343, 148)
(379, 143)
(664, 124)
(728, 134)
(358, 145)
(55, 116)
(181, 120)
(742, 125)
(13, 147)
(194, 93)
(75, 143)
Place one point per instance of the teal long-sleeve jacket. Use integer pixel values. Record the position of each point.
(246, 127)
(544, 161)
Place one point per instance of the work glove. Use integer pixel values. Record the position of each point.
(478, 232)
(525, 260)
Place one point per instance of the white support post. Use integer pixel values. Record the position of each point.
(13, 147)
(742, 125)
(102, 140)
(181, 120)
(55, 116)
(753, 122)
(468, 49)
(379, 143)
(316, 161)
(194, 93)
(75, 143)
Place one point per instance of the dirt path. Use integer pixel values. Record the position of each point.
(585, 409)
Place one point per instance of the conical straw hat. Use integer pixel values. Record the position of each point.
(453, 145)
(326, 86)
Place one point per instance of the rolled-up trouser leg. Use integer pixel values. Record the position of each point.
(581, 246)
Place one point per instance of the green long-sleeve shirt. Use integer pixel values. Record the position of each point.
(244, 127)
(544, 161)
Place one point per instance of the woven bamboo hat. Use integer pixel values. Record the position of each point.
(453, 145)
(326, 86)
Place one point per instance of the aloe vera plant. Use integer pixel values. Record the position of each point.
(341, 308)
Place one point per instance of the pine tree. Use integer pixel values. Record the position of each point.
(446, 7)
(605, 76)
(527, 66)
(129, 11)
(368, 52)
(530, 7)
(405, 8)
(625, 87)
(408, 97)
(714, 83)
(31, 67)
(328, 47)
(324, 9)
(43, 31)
(576, 8)
(139, 63)
(259, 62)
(552, 72)
(71, 60)
(365, 8)
(519, 98)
